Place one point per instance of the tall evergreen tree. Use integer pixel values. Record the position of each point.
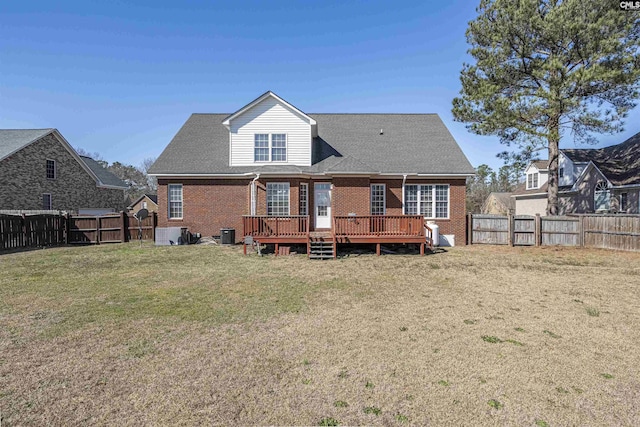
(543, 67)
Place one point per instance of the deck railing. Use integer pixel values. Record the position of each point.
(276, 226)
(379, 225)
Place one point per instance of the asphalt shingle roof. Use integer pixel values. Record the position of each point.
(409, 143)
(104, 176)
(12, 140)
(619, 163)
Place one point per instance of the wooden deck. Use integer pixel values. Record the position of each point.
(352, 229)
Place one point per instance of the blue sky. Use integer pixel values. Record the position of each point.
(120, 78)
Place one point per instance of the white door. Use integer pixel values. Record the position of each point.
(322, 204)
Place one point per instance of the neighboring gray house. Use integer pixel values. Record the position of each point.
(590, 180)
(39, 170)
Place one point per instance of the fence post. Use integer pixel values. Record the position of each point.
(510, 229)
(581, 230)
(538, 230)
(123, 223)
(470, 229)
(25, 236)
(97, 230)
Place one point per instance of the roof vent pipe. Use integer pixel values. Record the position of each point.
(381, 131)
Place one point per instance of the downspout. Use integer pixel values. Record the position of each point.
(253, 194)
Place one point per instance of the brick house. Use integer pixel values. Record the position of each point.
(321, 172)
(39, 170)
(590, 180)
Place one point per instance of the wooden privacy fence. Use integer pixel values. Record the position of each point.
(611, 232)
(115, 228)
(27, 231)
(621, 232)
(21, 231)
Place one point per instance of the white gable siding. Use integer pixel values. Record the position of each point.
(270, 116)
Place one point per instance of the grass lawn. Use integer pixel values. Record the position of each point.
(129, 335)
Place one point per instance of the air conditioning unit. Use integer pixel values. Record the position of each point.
(166, 236)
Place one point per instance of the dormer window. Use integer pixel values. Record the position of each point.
(532, 180)
(270, 147)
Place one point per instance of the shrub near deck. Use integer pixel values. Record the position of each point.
(121, 334)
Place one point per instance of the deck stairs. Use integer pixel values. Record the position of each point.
(321, 245)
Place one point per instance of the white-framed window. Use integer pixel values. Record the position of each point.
(46, 202)
(261, 147)
(601, 197)
(270, 147)
(51, 169)
(561, 173)
(175, 201)
(304, 199)
(532, 180)
(144, 205)
(624, 202)
(278, 147)
(430, 201)
(278, 198)
(378, 199)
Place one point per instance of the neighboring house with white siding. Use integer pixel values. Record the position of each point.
(270, 159)
(39, 170)
(590, 180)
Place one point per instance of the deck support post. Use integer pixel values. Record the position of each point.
(378, 249)
(244, 247)
(277, 248)
(422, 248)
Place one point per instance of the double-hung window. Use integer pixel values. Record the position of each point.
(532, 180)
(430, 201)
(270, 147)
(51, 169)
(261, 147)
(278, 198)
(175, 201)
(377, 199)
(623, 202)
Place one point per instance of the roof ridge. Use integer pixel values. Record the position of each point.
(27, 129)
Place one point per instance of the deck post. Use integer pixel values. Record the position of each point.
(378, 249)
(422, 248)
(277, 245)
(244, 247)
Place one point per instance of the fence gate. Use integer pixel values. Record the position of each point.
(489, 229)
(524, 230)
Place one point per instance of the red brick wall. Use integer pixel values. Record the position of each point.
(351, 195)
(456, 224)
(207, 205)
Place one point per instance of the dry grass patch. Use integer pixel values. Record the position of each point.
(202, 335)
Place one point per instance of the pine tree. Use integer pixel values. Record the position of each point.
(544, 67)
